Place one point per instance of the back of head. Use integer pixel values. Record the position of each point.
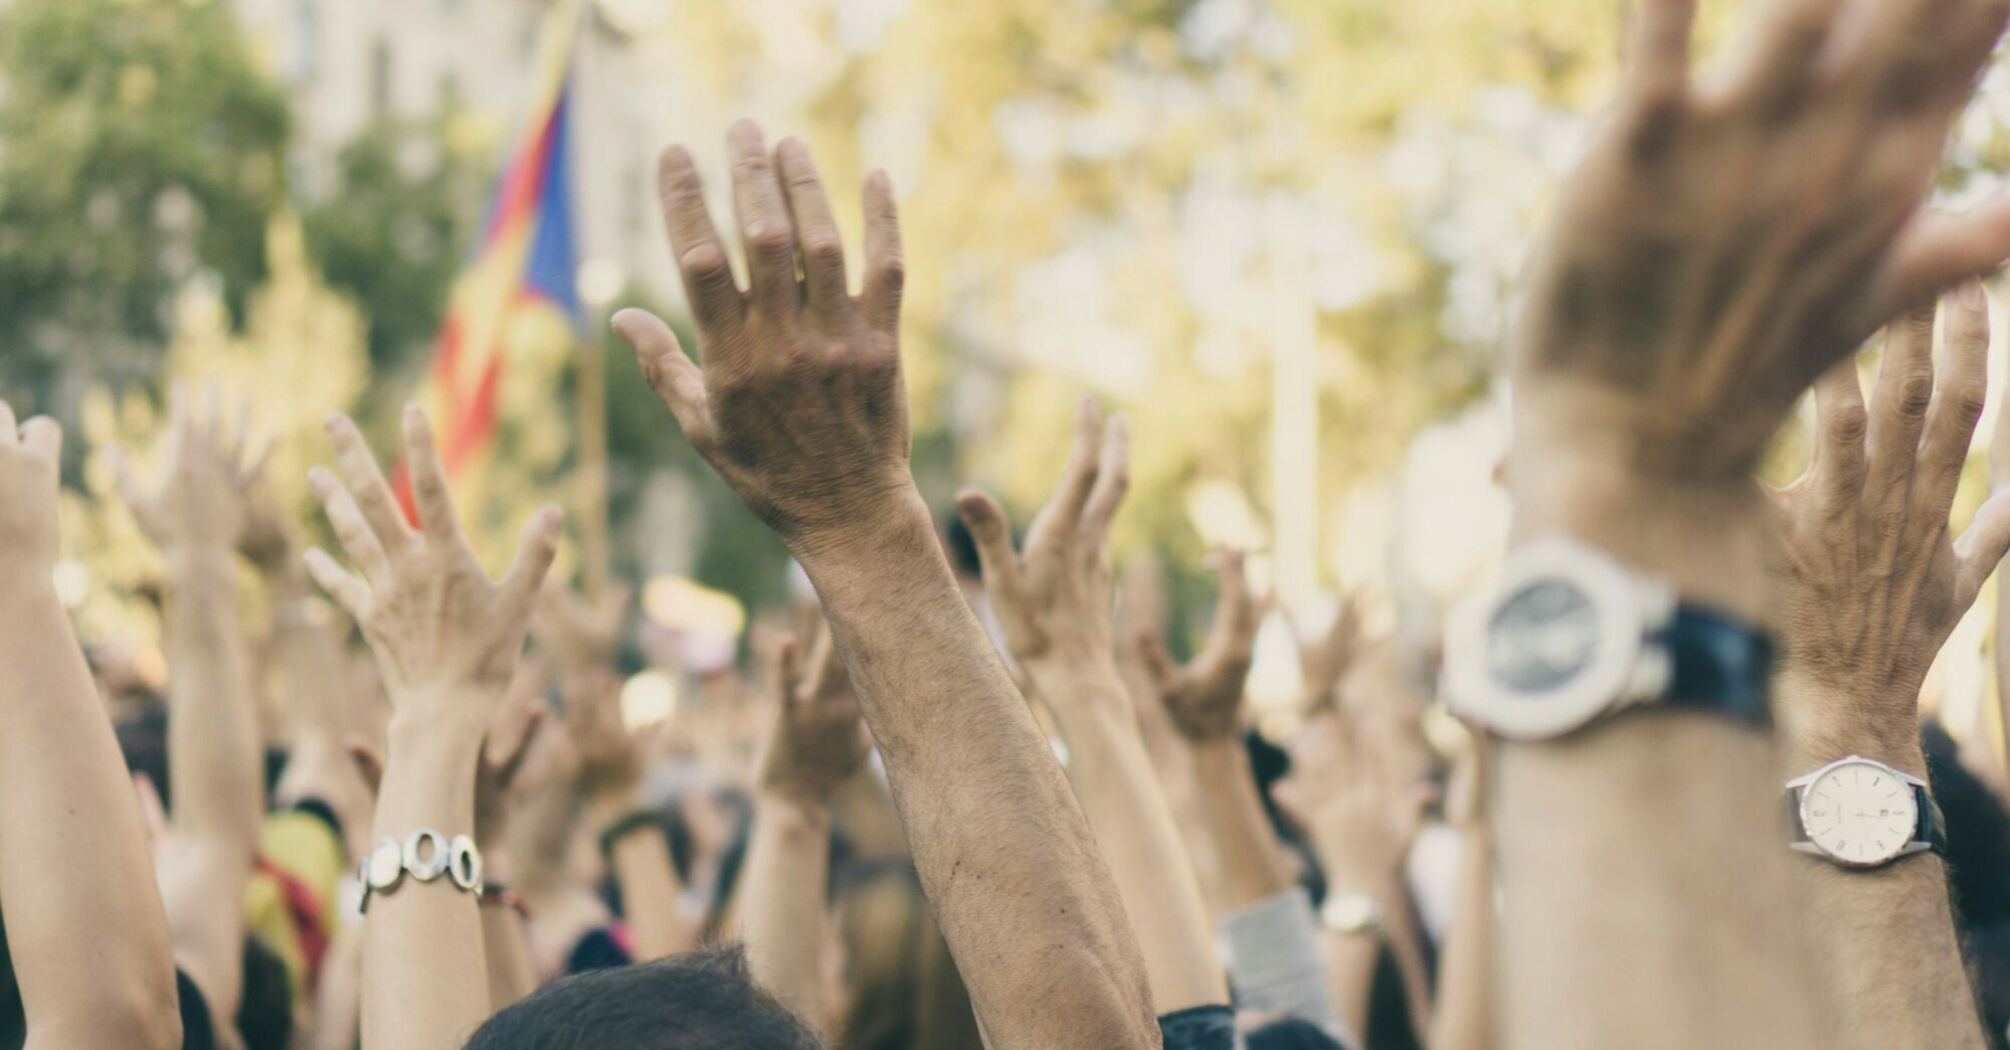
(698, 1001)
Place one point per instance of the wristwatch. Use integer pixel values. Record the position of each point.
(1351, 914)
(1567, 634)
(425, 855)
(1860, 813)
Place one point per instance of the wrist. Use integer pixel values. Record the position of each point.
(198, 558)
(1820, 719)
(1706, 540)
(792, 811)
(1072, 681)
(859, 543)
(436, 718)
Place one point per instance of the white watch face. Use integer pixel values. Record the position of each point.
(1542, 637)
(1860, 813)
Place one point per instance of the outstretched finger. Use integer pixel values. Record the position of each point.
(765, 232)
(1235, 619)
(1113, 477)
(714, 295)
(1937, 251)
(366, 482)
(1982, 547)
(1900, 399)
(1657, 69)
(351, 531)
(340, 585)
(518, 592)
(1157, 661)
(1840, 422)
(992, 537)
(885, 269)
(1957, 402)
(1063, 511)
(431, 495)
(816, 229)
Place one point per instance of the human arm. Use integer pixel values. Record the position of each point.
(86, 930)
(1361, 820)
(505, 943)
(194, 514)
(799, 406)
(818, 743)
(1465, 1011)
(1670, 321)
(1871, 583)
(446, 638)
(1053, 601)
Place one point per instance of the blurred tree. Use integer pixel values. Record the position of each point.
(394, 228)
(139, 148)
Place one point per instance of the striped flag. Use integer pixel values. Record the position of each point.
(525, 259)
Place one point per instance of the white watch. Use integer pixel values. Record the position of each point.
(1860, 813)
(1351, 914)
(1567, 634)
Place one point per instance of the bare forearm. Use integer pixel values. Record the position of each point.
(782, 903)
(1134, 828)
(1253, 867)
(87, 934)
(410, 999)
(214, 749)
(1671, 857)
(506, 949)
(1024, 899)
(1465, 975)
(649, 895)
(1885, 948)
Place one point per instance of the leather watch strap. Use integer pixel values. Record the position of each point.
(1718, 664)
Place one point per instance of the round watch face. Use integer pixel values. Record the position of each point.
(1860, 813)
(1541, 637)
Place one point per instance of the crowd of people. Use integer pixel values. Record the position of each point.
(969, 798)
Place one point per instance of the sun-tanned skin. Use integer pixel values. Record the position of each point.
(798, 404)
(1054, 603)
(446, 638)
(86, 930)
(1871, 584)
(1671, 318)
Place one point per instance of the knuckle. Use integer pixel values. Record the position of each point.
(1965, 402)
(890, 269)
(1914, 394)
(1848, 424)
(823, 248)
(704, 263)
(767, 239)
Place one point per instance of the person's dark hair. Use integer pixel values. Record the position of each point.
(1292, 1034)
(700, 1001)
(961, 546)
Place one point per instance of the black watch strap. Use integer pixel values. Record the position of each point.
(1718, 664)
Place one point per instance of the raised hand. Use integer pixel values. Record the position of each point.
(1204, 697)
(511, 732)
(611, 757)
(797, 398)
(819, 740)
(446, 636)
(1870, 580)
(1723, 244)
(30, 536)
(1053, 599)
(1351, 802)
(207, 470)
(1323, 661)
(581, 633)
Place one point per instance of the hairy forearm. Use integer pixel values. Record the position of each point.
(1465, 972)
(1252, 864)
(1004, 852)
(85, 926)
(1884, 943)
(1134, 828)
(1669, 864)
(418, 990)
(782, 911)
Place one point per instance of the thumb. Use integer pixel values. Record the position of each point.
(1158, 663)
(673, 376)
(43, 437)
(1982, 545)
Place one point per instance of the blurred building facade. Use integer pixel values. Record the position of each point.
(349, 63)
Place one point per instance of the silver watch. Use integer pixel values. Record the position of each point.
(1860, 813)
(1351, 914)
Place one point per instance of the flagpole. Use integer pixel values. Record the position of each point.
(592, 408)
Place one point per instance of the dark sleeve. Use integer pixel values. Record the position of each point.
(196, 1031)
(598, 950)
(1199, 1028)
